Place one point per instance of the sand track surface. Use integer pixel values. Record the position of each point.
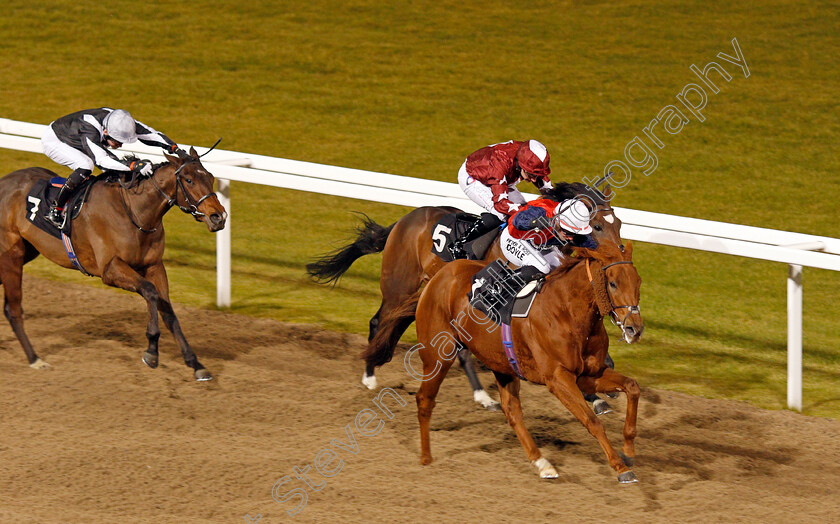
(99, 437)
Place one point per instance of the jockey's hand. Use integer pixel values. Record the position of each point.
(142, 167)
(175, 150)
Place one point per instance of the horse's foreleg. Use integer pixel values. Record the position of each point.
(479, 394)
(11, 276)
(118, 273)
(157, 275)
(563, 385)
(612, 381)
(509, 395)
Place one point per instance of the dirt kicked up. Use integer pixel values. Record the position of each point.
(99, 437)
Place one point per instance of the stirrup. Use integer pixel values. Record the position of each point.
(56, 218)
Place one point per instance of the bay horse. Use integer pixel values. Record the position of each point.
(562, 344)
(408, 262)
(118, 236)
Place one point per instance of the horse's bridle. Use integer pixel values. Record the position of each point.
(612, 313)
(192, 206)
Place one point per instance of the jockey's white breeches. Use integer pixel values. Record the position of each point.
(523, 253)
(483, 195)
(63, 154)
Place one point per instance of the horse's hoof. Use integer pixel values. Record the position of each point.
(486, 401)
(202, 375)
(627, 460)
(150, 360)
(369, 381)
(547, 471)
(628, 477)
(39, 364)
(612, 394)
(600, 407)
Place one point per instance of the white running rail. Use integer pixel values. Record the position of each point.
(795, 249)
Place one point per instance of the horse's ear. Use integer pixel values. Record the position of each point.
(171, 159)
(607, 192)
(193, 153)
(628, 250)
(583, 252)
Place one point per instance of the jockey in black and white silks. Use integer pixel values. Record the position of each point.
(82, 140)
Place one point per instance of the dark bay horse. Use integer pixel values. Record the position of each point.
(118, 236)
(562, 344)
(408, 262)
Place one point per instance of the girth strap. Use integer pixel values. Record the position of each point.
(71, 254)
(507, 341)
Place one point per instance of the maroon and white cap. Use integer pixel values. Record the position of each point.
(533, 157)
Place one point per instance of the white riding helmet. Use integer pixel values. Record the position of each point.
(120, 125)
(573, 216)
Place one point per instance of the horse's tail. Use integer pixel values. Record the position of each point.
(371, 239)
(390, 329)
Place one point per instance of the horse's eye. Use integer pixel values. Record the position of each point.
(188, 180)
(596, 228)
(612, 285)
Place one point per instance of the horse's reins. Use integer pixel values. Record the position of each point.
(612, 313)
(192, 207)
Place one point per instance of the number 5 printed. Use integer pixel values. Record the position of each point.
(438, 237)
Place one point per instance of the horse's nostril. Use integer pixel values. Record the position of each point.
(630, 330)
(216, 218)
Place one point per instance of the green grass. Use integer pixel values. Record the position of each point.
(411, 88)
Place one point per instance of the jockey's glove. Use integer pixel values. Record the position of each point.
(173, 149)
(142, 167)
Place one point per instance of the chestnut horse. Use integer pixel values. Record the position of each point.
(118, 236)
(408, 262)
(562, 344)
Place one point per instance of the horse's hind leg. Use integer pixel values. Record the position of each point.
(396, 289)
(479, 393)
(157, 275)
(369, 378)
(509, 395)
(434, 371)
(11, 276)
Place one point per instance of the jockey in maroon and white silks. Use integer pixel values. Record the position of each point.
(489, 176)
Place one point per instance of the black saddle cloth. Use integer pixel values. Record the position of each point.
(43, 193)
(454, 226)
(494, 293)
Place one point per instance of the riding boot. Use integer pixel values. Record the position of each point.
(485, 224)
(526, 274)
(514, 282)
(55, 215)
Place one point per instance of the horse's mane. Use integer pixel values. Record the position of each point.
(568, 190)
(570, 263)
